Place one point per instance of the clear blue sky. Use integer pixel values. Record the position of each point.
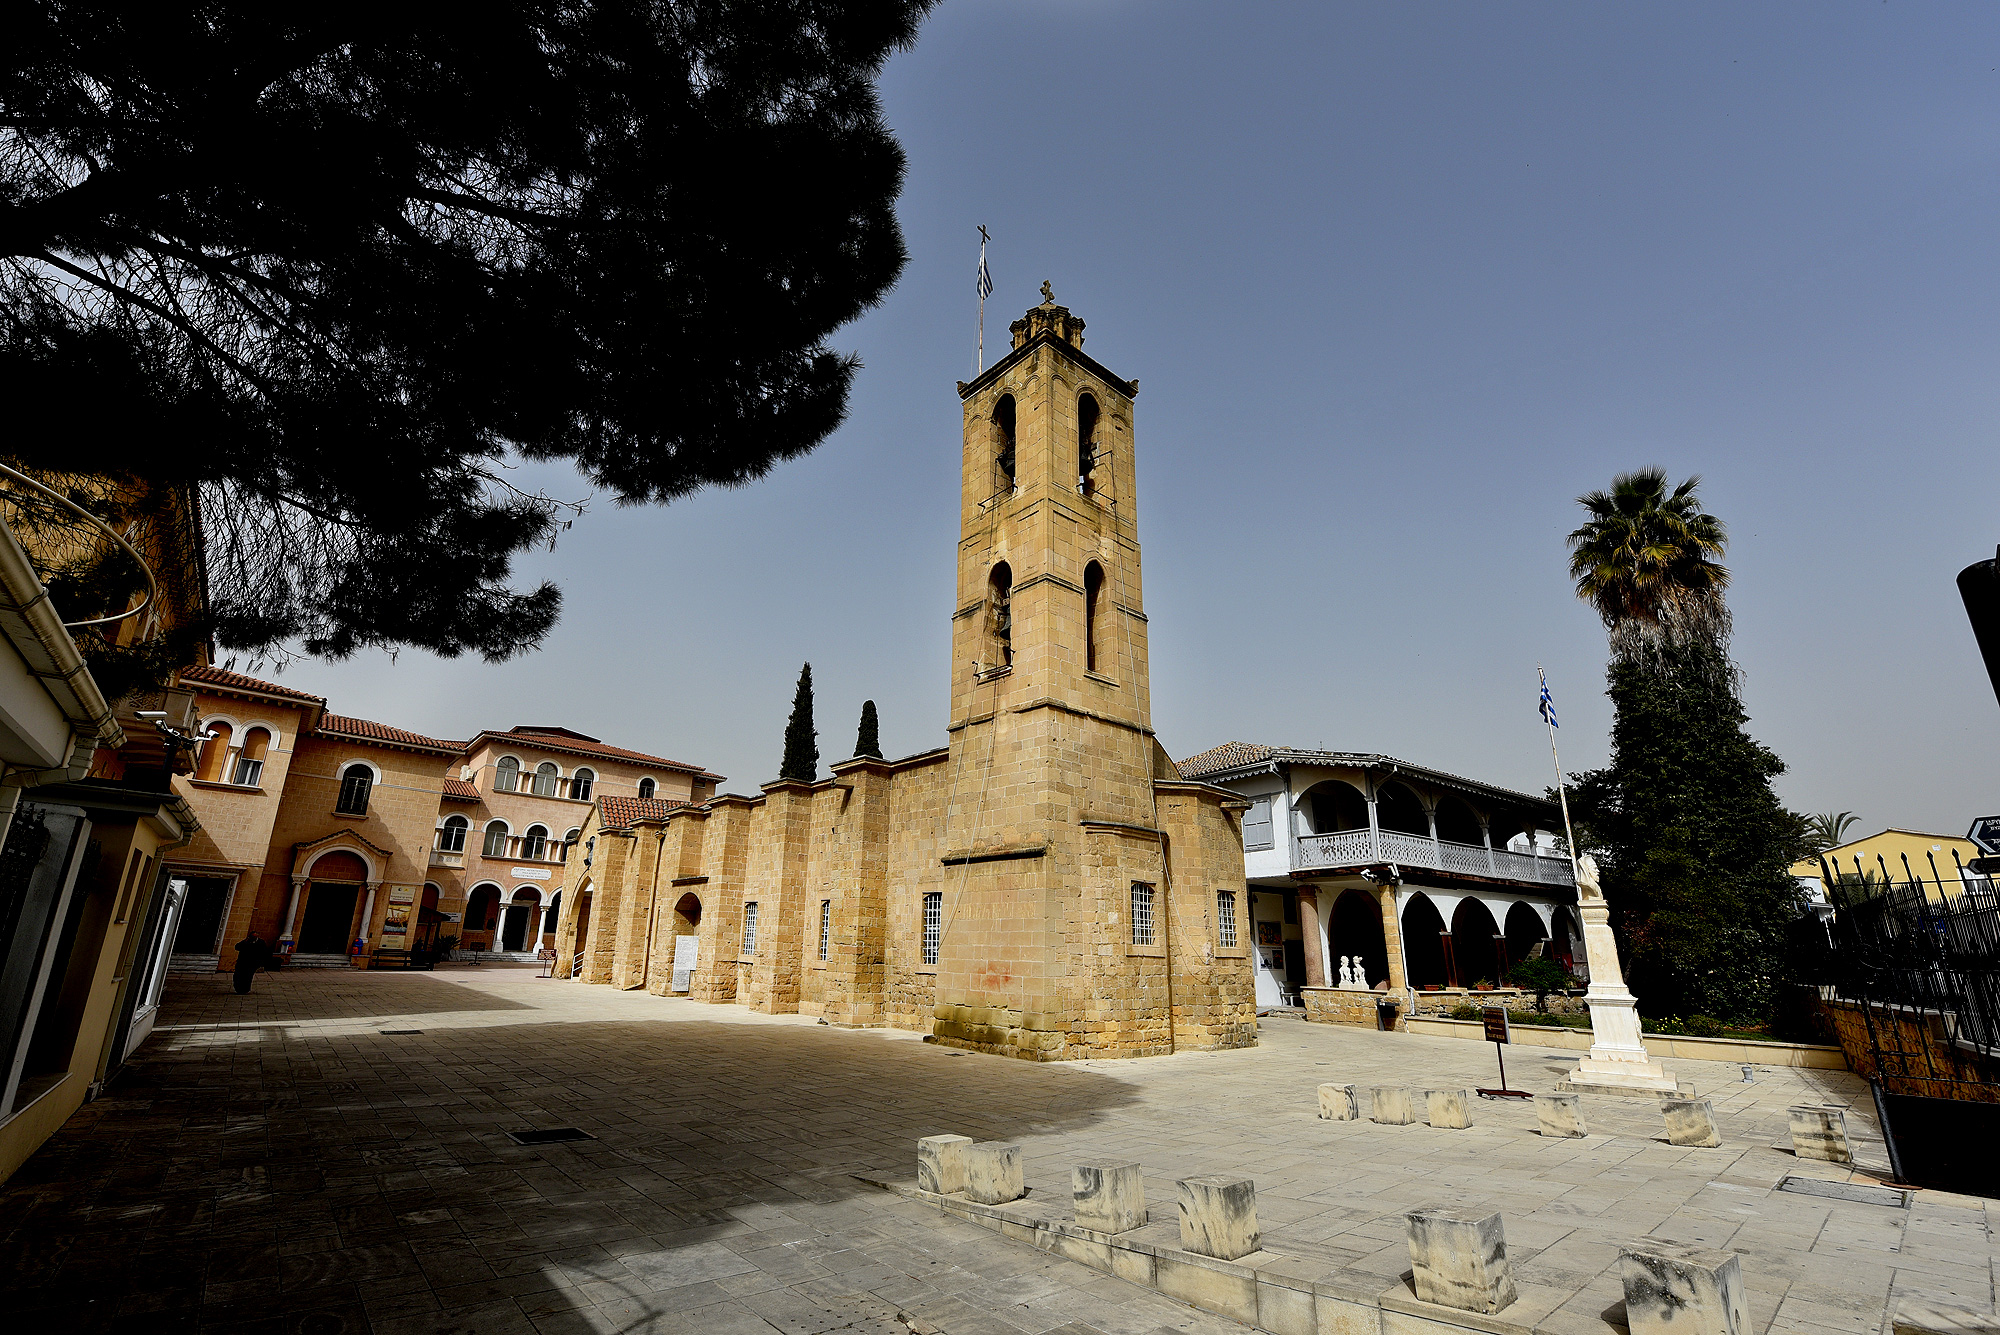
(1399, 282)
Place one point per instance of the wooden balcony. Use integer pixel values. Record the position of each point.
(1363, 848)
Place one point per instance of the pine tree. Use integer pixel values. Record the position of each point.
(868, 741)
(801, 740)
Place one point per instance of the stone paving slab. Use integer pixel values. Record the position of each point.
(276, 1163)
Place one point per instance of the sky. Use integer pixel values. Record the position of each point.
(1399, 283)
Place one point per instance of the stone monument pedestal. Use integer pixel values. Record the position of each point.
(1617, 1062)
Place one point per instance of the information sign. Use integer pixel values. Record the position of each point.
(1496, 1024)
(1495, 1018)
(1986, 833)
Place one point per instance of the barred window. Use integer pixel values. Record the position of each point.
(750, 928)
(1225, 919)
(1142, 914)
(933, 925)
(825, 925)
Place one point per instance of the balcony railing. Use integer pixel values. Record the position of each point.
(442, 858)
(1355, 848)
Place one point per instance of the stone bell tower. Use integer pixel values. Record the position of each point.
(1061, 927)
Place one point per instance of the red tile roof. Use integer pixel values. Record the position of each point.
(458, 790)
(575, 745)
(1227, 756)
(336, 725)
(236, 681)
(622, 811)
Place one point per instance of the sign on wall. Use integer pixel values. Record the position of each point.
(402, 894)
(532, 873)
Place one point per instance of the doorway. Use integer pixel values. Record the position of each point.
(202, 907)
(329, 915)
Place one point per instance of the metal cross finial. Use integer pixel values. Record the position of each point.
(982, 233)
(1048, 297)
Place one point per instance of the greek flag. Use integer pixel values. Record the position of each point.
(1548, 704)
(985, 278)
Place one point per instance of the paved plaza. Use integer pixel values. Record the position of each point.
(284, 1162)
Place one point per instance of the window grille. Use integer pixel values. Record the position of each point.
(750, 928)
(933, 925)
(1225, 919)
(1142, 914)
(825, 925)
(354, 787)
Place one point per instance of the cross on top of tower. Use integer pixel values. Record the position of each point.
(1048, 297)
(1047, 318)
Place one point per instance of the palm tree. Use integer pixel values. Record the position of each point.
(1824, 831)
(1646, 560)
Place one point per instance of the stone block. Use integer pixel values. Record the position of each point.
(1459, 1259)
(1285, 1299)
(1110, 1195)
(1560, 1114)
(993, 1173)
(1338, 1103)
(1920, 1316)
(1677, 1290)
(1449, 1108)
(941, 1164)
(1690, 1122)
(1226, 1290)
(1390, 1105)
(1820, 1132)
(1219, 1216)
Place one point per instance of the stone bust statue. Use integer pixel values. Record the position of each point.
(1587, 887)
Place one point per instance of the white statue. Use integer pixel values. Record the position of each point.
(1360, 973)
(1587, 886)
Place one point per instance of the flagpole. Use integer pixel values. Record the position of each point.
(1562, 793)
(982, 298)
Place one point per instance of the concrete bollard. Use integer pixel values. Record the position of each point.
(1390, 1105)
(1921, 1316)
(1459, 1259)
(1560, 1114)
(1109, 1195)
(1820, 1132)
(1676, 1290)
(1690, 1122)
(1337, 1103)
(941, 1164)
(1219, 1216)
(993, 1173)
(1449, 1108)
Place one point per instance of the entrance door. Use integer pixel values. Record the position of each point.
(329, 913)
(514, 932)
(201, 915)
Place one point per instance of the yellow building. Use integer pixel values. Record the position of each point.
(1930, 857)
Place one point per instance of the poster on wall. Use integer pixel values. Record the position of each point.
(396, 919)
(1271, 934)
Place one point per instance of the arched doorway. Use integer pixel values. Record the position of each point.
(553, 916)
(687, 944)
(1335, 806)
(1524, 931)
(333, 901)
(1472, 945)
(1423, 943)
(428, 921)
(481, 908)
(1397, 808)
(1456, 822)
(523, 915)
(1357, 930)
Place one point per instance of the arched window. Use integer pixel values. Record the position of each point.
(214, 753)
(451, 834)
(496, 839)
(1093, 589)
(569, 840)
(580, 784)
(1399, 809)
(545, 779)
(507, 775)
(356, 782)
(1002, 437)
(646, 790)
(1000, 615)
(554, 914)
(1086, 444)
(250, 760)
(535, 843)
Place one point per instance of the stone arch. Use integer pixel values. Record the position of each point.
(521, 920)
(340, 864)
(1000, 615)
(1472, 945)
(1356, 924)
(481, 911)
(1000, 436)
(687, 914)
(1423, 943)
(1523, 930)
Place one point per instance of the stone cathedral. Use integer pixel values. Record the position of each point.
(1044, 885)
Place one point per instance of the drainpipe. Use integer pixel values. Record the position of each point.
(1167, 923)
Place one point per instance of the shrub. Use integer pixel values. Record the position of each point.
(1540, 976)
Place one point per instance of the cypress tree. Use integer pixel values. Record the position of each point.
(801, 740)
(868, 741)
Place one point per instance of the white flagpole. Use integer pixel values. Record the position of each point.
(982, 296)
(1562, 794)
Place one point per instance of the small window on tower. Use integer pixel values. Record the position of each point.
(1003, 441)
(1093, 600)
(1086, 444)
(1000, 614)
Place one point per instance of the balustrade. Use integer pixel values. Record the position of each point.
(1349, 848)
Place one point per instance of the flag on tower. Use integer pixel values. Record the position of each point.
(1548, 704)
(985, 278)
